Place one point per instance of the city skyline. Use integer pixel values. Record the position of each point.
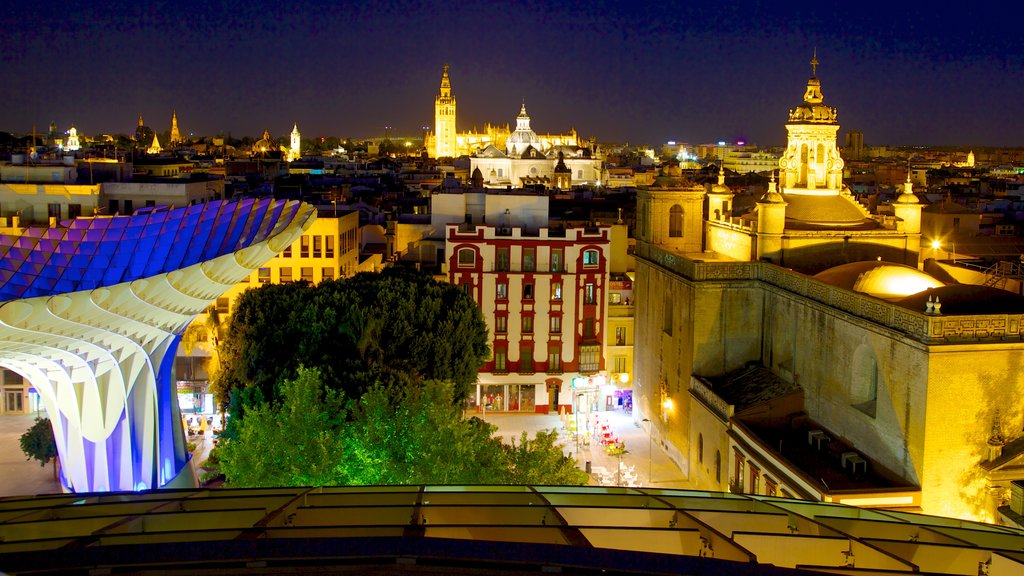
(905, 75)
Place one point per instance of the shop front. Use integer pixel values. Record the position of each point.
(507, 398)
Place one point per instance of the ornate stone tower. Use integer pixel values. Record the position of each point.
(175, 135)
(670, 214)
(811, 164)
(295, 149)
(444, 119)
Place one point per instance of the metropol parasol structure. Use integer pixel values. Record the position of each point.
(91, 313)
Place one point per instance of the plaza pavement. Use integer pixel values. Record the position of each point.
(18, 475)
(658, 471)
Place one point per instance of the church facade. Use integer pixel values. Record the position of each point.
(875, 383)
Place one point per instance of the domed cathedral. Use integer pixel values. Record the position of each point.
(798, 350)
(809, 220)
(447, 142)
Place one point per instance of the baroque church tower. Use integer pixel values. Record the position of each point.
(811, 163)
(295, 150)
(444, 119)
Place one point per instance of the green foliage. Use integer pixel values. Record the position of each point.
(540, 461)
(419, 437)
(38, 442)
(297, 444)
(393, 329)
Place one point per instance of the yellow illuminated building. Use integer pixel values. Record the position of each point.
(447, 142)
(797, 350)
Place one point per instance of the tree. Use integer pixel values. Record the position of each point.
(297, 444)
(393, 329)
(419, 437)
(38, 444)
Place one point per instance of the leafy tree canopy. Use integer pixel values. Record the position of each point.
(418, 437)
(394, 329)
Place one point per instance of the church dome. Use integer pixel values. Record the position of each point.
(523, 137)
(879, 279)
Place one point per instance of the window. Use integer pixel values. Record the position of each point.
(128, 209)
(502, 291)
(500, 324)
(615, 298)
(74, 210)
(467, 287)
(554, 358)
(556, 290)
(467, 257)
(675, 222)
(287, 252)
(329, 252)
(589, 293)
(700, 448)
(53, 210)
(500, 360)
(769, 486)
(737, 479)
(620, 335)
(526, 359)
(328, 273)
(557, 259)
(529, 259)
(112, 207)
(527, 324)
(590, 258)
(588, 328)
(307, 274)
(590, 359)
(527, 291)
(222, 305)
(318, 245)
(718, 466)
(755, 480)
(620, 364)
(304, 246)
(264, 276)
(501, 260)
(286, 274)
(556, 325)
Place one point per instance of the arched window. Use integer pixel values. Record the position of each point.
(590, 258)
(864, 381)
(675, 222)
(700, 448)
(467, 257)
(803, 164)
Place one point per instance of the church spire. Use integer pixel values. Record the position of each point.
(814, 63)
(175, 135)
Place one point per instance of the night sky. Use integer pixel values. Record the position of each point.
(928, 73)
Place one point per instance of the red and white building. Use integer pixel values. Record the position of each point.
(543, 293)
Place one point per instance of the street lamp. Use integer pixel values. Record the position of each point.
(578, 396)
(650, 451)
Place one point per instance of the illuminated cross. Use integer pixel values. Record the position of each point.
(814, 64)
